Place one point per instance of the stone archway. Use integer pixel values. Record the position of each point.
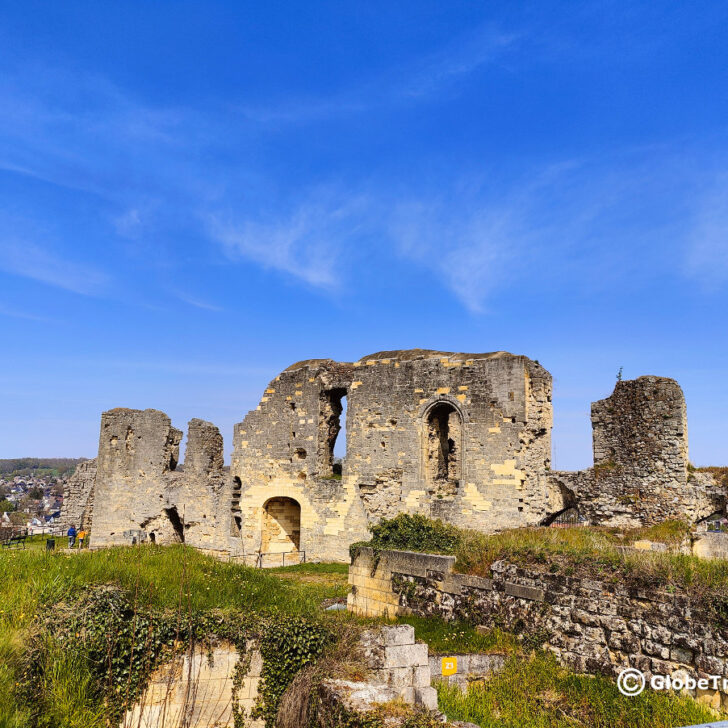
(281, 531)
(443, 445)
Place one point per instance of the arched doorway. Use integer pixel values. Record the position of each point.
(443, 444)
(281, 526)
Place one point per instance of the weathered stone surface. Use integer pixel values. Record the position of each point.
(140, 493)
(590, 625)
(470, 667)
(640, 474)
(78, 497)
(461, 437)
(197, 690)
(396, 660)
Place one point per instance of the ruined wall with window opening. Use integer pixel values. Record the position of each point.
(461, 437)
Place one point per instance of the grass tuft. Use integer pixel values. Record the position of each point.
(539, 693)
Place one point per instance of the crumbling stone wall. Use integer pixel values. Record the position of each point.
(593, 626)
(78, 496)
(463, 437)
(641, 469)
(142, 495)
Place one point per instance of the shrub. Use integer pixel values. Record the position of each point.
(413, 533)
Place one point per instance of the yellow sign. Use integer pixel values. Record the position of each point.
(449, 665)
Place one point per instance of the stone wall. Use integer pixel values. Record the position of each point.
(141, 494)
(394, 659)
(641, 474)
(196, 689)
(462, 437)
(78, 497)
(594, 626)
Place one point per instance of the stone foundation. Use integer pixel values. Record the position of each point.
(592, 626)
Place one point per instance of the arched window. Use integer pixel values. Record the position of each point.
(443, 457)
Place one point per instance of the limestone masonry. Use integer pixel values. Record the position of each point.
(461, 437)
(593, 626)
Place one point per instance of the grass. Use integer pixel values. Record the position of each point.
(158, 577)
(33, 581)
(719, 473)
(38, 543)
(539, 693)
(587, 552)
(595, 553)
(449, 638)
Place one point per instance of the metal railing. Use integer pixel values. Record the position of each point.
(300, 558)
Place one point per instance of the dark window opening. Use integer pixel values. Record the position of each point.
(443, 456)
(237, 523)
(176, 521)
(332, 446)
(237, 486)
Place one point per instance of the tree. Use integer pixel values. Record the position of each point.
(6, 506)
(36, 493)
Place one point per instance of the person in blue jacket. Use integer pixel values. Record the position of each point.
(71, 536)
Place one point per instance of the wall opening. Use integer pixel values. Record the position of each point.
(281, 526)
(332, 405)
(443, 457)
(237, 521)
(177, 527)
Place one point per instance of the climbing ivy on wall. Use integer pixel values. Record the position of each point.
(118, 644)
(287, 644)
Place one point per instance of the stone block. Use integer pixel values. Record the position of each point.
(426, 697)
(401, 634)
(405, 656)
(679, 654)
(397, 677)
(421, 676)
(524, 592)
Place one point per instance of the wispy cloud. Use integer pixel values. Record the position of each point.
(31, 261)
(417, 81)
(589, 224)
(24, 315)
(707, 250)
(307, 243)
(482, 46)
(198, 303)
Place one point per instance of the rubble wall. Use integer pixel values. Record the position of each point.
(78, 497)
(142, 495)
(461, 437)
(641, 472)
(593, 626)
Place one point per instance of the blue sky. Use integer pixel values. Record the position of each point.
(195, 195)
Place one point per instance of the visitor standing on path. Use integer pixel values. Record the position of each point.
(71, 536)
(81, 537)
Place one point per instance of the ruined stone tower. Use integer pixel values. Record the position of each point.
(461, 437)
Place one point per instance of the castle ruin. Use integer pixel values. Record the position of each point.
(461, 437)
